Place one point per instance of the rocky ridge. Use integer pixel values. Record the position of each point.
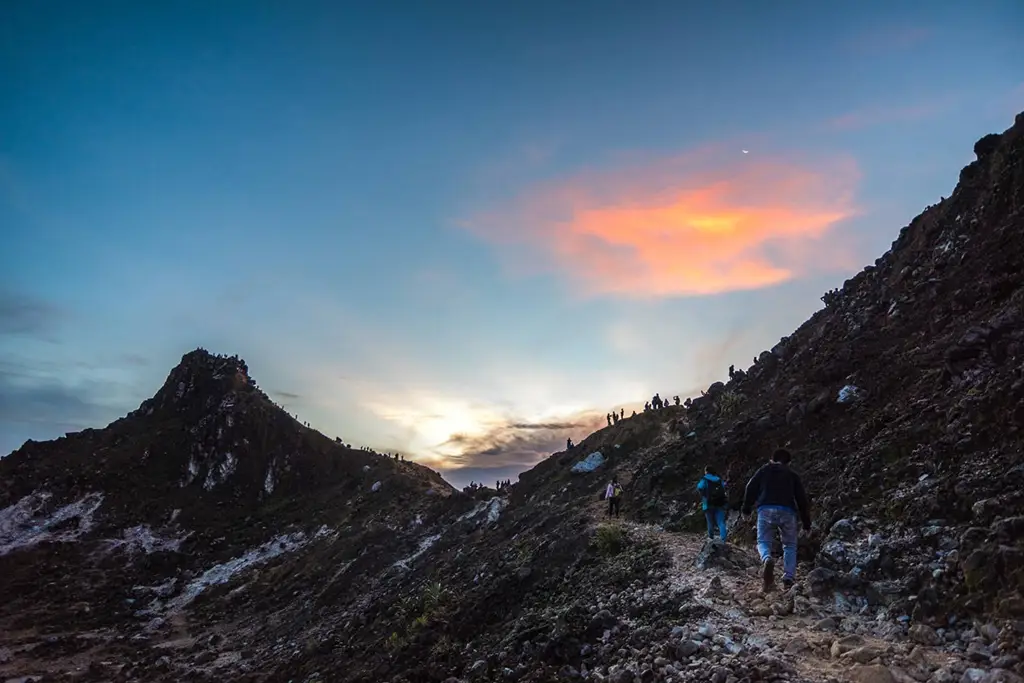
(156, 550)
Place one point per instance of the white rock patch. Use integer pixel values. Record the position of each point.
(220, 473)
(424, 546)
(222, 573)
(142, 539)
(20, 526)
(493, 507)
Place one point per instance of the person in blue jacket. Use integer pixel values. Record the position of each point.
(714, 501)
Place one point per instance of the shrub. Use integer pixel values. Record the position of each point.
(729, 402)
(610, 539)
(395, 641)
(435, 596)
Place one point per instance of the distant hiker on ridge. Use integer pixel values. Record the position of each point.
(714, 501)
(779, 496)
(676, 399)
(609, 416)
(622, 415)
(614, 495)
(568, 444)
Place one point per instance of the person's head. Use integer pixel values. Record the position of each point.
(615, 480)
(708, 469)
(781, 455)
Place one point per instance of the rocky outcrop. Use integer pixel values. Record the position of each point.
(209, 536)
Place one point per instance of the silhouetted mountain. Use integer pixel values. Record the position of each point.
(209, 536)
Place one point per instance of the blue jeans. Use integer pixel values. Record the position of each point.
(715, 518)
(770, 520)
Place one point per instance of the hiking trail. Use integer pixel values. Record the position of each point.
(798, 635)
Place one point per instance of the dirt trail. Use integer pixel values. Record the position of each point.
(821, 641)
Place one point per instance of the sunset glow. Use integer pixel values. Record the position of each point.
(701, 232)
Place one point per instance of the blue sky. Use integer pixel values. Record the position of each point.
(461, 230)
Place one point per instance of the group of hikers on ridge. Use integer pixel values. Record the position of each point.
(656, 403)
(778, 495)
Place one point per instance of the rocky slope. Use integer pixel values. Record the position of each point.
(209, 536)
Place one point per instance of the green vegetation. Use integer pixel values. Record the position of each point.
(433, 606)
(729, 403)
(609, 539)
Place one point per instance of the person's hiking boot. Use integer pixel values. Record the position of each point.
(768, 575)
(787, 583)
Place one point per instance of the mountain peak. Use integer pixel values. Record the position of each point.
(199, 382)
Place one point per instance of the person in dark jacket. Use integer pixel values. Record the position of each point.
(779, 496)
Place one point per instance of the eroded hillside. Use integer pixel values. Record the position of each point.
(210, 536)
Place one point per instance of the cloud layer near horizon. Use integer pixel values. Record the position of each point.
(683, 226)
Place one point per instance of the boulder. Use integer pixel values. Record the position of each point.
(723, 555)
(924, 634)
(843, 645)
(863, 654)
(875, 673)
(687, 648)
(986, 145)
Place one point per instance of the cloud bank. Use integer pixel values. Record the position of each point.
(705, 223)
(23, 314)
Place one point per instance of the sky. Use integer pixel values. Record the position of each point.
(459, 230)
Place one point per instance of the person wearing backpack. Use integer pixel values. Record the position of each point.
(614, 495)
(714, 501)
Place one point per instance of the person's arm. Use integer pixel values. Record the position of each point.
(801, 501)
(750, 493)
(701, 485)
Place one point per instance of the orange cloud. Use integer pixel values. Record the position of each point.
(689, 225)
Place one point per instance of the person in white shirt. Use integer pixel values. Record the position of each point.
(613, 493)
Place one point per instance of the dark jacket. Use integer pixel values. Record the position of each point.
(775, 485)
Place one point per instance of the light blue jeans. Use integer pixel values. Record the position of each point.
(770, 520)
(715, 518)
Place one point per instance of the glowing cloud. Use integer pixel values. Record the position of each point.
(692, 225)
(447, 433)
(433, 420)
